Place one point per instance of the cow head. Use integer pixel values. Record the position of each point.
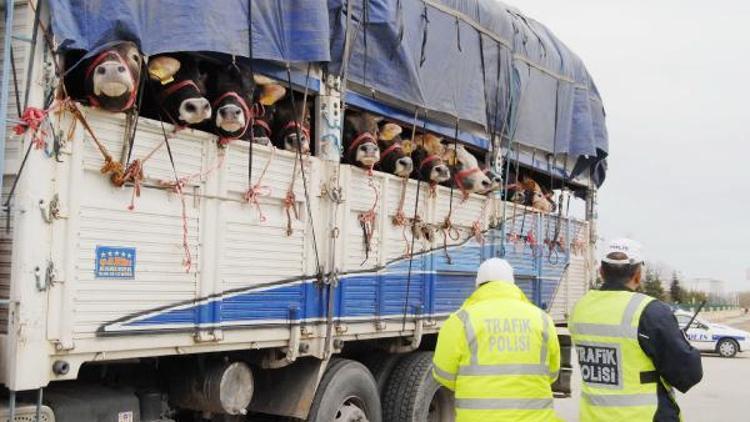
(267, 92)
(360, 139)
(230, 90)
(111, 77)
(495, 178)
(428, 158)
(535, 196)
(467, 175)
(291, 130)
(179, 87)
(394, 158)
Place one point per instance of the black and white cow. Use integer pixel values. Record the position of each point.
(267, 94)
(291, 130)
(394, 159)
(230, 91)
(428, 159)
(361, 139)
(109, 79)
(178, 89)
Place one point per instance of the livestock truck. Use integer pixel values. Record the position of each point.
(321, 298)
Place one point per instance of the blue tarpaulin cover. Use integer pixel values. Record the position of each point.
(476, 60)
(288, 30)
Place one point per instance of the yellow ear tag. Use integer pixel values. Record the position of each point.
(450, 157)
(271, 94)
(160, 75)
(407, 147)
(390, 131)
(163, 69)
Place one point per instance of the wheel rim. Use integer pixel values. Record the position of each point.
(727, 348)
(440, 407)
(351, 411)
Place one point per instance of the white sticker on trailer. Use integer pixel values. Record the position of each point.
(125, 417)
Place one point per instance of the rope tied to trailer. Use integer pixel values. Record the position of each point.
(448, 229)
(32, 119)
(399, 218)
(177, 186)
(368, 218)
(477, 230)
(258, 190)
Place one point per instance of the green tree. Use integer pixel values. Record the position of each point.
(694, 296)
(652, 286)
(676, 292)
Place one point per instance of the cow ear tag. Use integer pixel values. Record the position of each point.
(390, 131)
(451, 156)
(407, 146)
(163, 69)
(271, 94)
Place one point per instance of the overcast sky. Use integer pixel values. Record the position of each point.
(675, 79)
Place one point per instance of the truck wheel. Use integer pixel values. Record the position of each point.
(413, 395)
(347, 393)
(727, 348)
(381, 365)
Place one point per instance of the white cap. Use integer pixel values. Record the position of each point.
(494, 269)
(630, 248)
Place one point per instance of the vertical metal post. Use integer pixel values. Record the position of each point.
(5, 88)
(12, 404)
(38, 406)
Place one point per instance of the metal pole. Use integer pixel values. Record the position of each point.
(5, 89)
(12, 401)
(38, 406)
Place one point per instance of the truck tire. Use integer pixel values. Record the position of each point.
(413, 395)
(347, 393)
(727, 348)
(381, 365)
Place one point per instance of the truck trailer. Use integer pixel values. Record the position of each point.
(320, 297)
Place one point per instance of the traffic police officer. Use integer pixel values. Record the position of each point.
(630, 348)
(499, 353)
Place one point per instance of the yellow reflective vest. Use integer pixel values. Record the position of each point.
(499, 354)
(619, 379)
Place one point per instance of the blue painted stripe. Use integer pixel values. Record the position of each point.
(436, 288)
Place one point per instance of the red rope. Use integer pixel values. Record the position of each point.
(259, 190)
(368, 218)
(32, 119)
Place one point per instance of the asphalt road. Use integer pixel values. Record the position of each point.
(721, 396)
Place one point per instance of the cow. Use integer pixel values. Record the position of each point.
(267, 94)
(108, 80)
(230, 91)
(289, 125)
(428, 159)
(495, 178)
(394, 159)
(178, 89)
(360, 139)
(534, 196)
(468, 177)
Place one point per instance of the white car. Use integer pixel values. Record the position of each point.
(710, 337)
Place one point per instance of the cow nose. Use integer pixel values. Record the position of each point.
(230, 112)
(486, 183)
(370, 148)
(406, 162)
(121, 69)
(442, 170)
(195, 110)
